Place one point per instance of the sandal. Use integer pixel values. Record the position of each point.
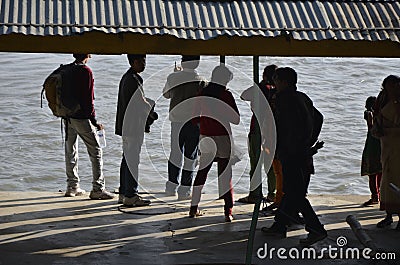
(228, 218)
(269, 199)
(385, 222)
(197, 213)
(248, 200)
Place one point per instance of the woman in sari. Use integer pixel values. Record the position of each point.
(371, 156)
(387, 128)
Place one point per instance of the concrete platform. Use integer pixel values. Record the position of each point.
(47, 228)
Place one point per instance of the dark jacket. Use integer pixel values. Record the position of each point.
(128, 85)
(294, 117)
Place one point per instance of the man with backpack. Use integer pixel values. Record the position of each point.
(83, 123)
(298, 124)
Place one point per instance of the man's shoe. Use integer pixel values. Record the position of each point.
(370, 202)
(312, 238)
(270, 208)
(184, 197)
(101, 195)
(170, 188)
(121, 199)
(74, 192)
(385, 222)
(273, 231)
(184, 193)
(135, 201)
(169, 193)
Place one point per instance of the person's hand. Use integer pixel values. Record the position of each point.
(99, 126)
(318, 145)
(177, 68)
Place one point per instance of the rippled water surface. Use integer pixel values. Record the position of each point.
(32, 152)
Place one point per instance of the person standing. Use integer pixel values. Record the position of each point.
(295, 118)
(266, 86)
(216, 109)
(387, 124)
(371, 156)
(130, 124)
(181, 87)
(84, 124)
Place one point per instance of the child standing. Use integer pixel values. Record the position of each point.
(371, 157)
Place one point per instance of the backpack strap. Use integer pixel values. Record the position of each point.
(67, 121)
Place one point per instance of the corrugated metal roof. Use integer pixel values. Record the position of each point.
(204, 20)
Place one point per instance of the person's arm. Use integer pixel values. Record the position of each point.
(197, 109)
(88, 82)
(234, 115)
(248, 94)
(167, 90)
(369, 118)
(318, 120)
(137, 87)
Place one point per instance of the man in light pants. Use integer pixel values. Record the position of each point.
(84, 124)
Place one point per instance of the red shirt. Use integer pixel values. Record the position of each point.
(84, 92)
(216, 114)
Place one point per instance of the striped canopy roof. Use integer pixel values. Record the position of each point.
(182, 21)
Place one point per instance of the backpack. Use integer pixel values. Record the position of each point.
(59, 90)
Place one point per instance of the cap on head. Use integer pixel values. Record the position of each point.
(190, 61)
(187, 58)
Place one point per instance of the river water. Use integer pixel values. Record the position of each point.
(32, 152)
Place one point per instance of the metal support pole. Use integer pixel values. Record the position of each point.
(256, 69)
(254, 219)
(222, 59)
